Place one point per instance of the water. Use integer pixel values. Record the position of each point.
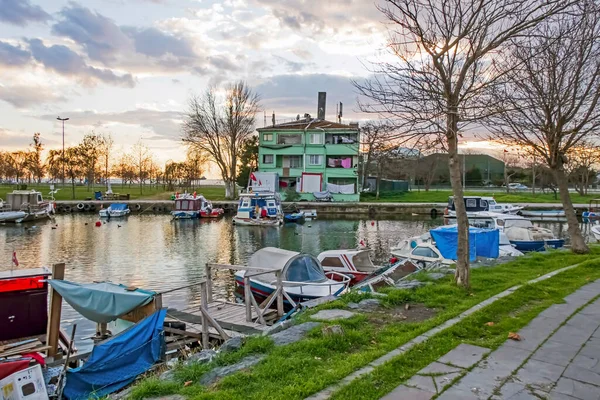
(154, 252)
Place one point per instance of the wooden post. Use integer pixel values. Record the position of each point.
(204, 307)
(209, 287)
(247, 298)
(53, 331)
(279, 295)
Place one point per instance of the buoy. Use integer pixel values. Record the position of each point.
(372, 223)
(137, 207)
(98, 223)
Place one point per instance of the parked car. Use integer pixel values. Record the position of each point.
(517, 186)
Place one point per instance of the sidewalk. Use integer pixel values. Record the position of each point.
(557, 358)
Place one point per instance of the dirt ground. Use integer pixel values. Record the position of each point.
(414, 313)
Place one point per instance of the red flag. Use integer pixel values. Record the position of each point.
(259, 183)
(176, 195)
(14, 259)
(252, 176)
(194, 194)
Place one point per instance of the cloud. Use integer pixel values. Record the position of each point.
(155, 43)
(24, 96)
(292, 66)
(20, 12)
(223, 63)
(66, 62)
(164, 124)
(13, 56)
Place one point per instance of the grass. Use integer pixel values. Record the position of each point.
(306, 367)
(82, 192)
(441, 196)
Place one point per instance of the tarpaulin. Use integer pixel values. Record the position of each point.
(117, 362)
(482, 242)
(101, 302)
(10, 367)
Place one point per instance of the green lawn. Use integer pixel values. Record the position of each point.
(441, 196)
(306, 367)
(82, 192)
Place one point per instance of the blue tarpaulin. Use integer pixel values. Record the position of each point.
(118, 207)
(482, 242)
(101, 302)
(118, 361)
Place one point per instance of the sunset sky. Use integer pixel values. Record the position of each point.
(128, 66)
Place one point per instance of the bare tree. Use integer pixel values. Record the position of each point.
(375, 137)
(106, 147)
(444, 65)
(219, 127)
(35, 164)
(582, 160)
(550, 103)
(141, 159)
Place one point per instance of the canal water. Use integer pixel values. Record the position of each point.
(157, 253)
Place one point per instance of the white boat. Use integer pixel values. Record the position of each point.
(309, 213)
(191, 206)
(115, 210)
(259, 209)
(543, 213)
(421, 251)
(24, 206)
(476, 204)
(596, 232)
(356, 264)
(303, 277)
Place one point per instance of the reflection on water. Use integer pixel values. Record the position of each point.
(157, 253)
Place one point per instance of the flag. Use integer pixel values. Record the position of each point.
(194, 194)
(14, 259)
(252, 176)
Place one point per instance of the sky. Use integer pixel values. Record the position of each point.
(128, 67)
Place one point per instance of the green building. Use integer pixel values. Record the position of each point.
(312, 155)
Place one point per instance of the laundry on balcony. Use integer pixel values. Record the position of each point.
(342, 189)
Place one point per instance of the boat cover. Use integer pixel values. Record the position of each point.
(482, 242)
(118, 207)
(103, 301)
(116, 362)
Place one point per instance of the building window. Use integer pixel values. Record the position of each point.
(267, 158)
(289, 139)
(316, 138)
(315, 160)
(267, 137)
(295, 161)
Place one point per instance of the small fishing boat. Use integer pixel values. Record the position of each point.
(594, 210)
(475, 204)
(303, 276)
(421, 251)
(259, 209)
(542, 213)
(24, 206)
(312, 213)
(356, 264)
(115, 210)
(192, 206)
(596, 232)
(294, 217)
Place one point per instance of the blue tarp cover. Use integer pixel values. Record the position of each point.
(116, 362)
(101, 302)
(118, 206)
(482, 242)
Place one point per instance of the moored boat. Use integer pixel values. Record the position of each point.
(259, 209)
(294, 217)
(115, 210)
(24, 206)
(475, 204)
(191, 206)
(596, 232)
(303, 277)
(353, 263)
(542, 213)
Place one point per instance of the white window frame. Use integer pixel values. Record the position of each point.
(299, 158)
(265, 137)
(316, 135)
(272, 159)
(319, 157)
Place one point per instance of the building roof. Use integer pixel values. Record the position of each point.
(303, 124)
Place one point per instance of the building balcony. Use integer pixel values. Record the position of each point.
(341, 149)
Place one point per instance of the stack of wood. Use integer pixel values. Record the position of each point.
(31, 345)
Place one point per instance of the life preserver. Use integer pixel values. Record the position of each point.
(137, 207)
(154, 208)
(92, 207)
(80, 206)
(67, 209)
(86, 207)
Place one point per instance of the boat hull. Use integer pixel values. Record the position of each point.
(185, 214)
(294, 218)
(216, 213)
(113, 214)
(12, 216)
(542, 214)
(257, 222)
(537, 245)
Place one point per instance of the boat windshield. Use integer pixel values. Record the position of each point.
(362, 261)
(520, 223)
(305, 269)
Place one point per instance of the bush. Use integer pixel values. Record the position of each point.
(291, 195)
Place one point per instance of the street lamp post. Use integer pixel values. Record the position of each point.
(63, 148)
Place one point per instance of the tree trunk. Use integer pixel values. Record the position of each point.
(577, 241)
(229, 190)
(378, 178)
(462, 276)
(73, 187)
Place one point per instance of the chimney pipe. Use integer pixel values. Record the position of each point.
(321, 106)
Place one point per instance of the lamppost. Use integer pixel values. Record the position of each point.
(63, 148)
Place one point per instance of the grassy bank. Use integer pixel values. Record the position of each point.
(82, 192)
(441, 196)
(301, 369)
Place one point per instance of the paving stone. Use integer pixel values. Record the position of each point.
(438, 368)
(549, 325)
(591, 348)
(591, 363)
(571, 335)
(505, 359)
(531, 338)
(554, 395)
(580, 297)
(457, 394)
(329, 315)
(584, 323)
(441, 381)
(558, 311)
(576, 389)
(539, 374)
(403, 392)
(422, 382)
(481, 383)
(293, 334)
(583, 375)
(556, 353)
(464, 355)
(220, 372)
(513, 391)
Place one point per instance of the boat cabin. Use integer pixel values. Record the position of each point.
(24, 299)
(490, 220)
(190, 203)
(259, 205)
(354, 263)
(23, 198)
(472, 203)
